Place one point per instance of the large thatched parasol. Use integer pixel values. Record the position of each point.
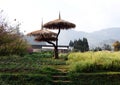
(44, 35)
(58, 24)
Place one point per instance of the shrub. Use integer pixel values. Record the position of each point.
(94, 61)
(25, 79)
(11, 40)
(64, 56)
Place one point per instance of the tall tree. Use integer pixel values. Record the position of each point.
(10, 41)
(71, 43)
(85, 44)
(116, 46)
(107, 47)
(80, 45)
(58, 24)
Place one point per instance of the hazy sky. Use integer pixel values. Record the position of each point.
(88, 15)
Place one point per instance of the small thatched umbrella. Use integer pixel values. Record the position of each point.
(44, 35)
(48, 39)
(58, 24)
(45, 38)
(42, 32)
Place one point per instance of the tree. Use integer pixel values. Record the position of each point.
(58, 24)
(10, 41)
(85, 45)
(116, 46)
(97, 49)
(71, 43)
(107, 47)
(80, 45)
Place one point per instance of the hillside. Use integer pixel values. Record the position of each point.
(97, 38)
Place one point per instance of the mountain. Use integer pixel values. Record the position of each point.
(97, 38)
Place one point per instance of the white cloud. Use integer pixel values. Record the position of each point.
(88, 15)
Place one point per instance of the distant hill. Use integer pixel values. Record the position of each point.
(97, 38)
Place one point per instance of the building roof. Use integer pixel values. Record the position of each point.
(31, 41)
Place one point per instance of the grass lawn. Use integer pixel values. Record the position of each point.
(40, 68)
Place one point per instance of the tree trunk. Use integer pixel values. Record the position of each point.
(55, 48)
(56, 52)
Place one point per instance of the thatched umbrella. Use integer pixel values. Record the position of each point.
(44, 35)
(45, 38)
(48, 39)
(42, 32)
(58, 24)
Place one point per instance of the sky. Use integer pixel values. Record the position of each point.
(88, 15)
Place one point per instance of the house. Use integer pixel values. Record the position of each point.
(61, 48)
(38, 46)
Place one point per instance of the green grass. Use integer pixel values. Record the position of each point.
(25, 79)
(94, 68)
(94, 61)
(31, 69)
(38, 68)
(31, 63)
(100, 78)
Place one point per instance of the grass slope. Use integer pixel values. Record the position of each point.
(42, 69)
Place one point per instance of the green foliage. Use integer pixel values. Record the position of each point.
(30, 63)
(11, 42)
(94, 61)
(64, 56)
(116, 46)
(25, 79)
(103, 78)
(31, 69)
(97, 49)
(42, 54)
(107, 47)
(71, 43)
(80, 45)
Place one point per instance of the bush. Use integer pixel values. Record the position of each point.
(94, 61)
(102, 78)
(25, 79)
(11, 40)
(63, 56)
(42, 54)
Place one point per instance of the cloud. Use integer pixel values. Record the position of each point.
(88, 15)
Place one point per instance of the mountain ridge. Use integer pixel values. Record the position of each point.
(94, 38)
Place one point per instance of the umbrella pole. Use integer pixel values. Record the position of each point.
(56, 47)
(56, 52)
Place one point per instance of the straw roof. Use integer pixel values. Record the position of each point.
(41, 32)
(59, 24)
(43, 35)
(45, 38)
